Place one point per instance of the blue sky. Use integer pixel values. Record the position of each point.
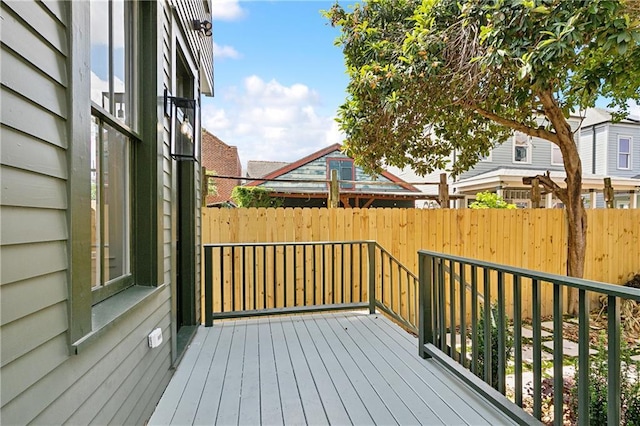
(279, 79)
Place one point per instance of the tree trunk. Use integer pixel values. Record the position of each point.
(571, 196)
(576, 238)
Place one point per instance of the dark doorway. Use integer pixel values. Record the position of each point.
(186, 208)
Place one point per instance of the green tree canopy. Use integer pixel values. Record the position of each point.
(432, 78)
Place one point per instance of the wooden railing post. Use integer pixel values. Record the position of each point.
(372, 277)
(208, 286)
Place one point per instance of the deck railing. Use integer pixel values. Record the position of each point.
(449, 297)
(253, 279)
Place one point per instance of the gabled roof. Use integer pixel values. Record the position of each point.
(258, 169)
(595, 116)
(318, 154)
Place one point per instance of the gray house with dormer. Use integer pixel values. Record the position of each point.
(612, 154)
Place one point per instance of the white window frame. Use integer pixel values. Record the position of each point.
(628, 154)
(556, 148)
(529, 148)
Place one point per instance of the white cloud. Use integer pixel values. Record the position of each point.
(269, 121)
(227, 10)
(224, 52)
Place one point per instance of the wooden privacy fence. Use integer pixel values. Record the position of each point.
(529, 238)
(533, 239)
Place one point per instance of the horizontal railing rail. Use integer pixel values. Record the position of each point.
(453, 291)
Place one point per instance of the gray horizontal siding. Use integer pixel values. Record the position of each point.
(27, 370)
(28, 225)
(62, 392)
(21, 151)
(21, 298)
(20, 33)
(21, 188)
(21, 114)
(23, 261)
(20, 337)
(21, 77)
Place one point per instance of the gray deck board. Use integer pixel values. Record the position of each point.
(338, 369)
(250, 394)
(270, 407)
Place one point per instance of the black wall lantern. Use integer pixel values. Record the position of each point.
(183, 127)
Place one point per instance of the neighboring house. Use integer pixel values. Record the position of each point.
(222, 160)
(612, 150)
(357, 189)
(100, 229)
(523, 156)
(258, 169)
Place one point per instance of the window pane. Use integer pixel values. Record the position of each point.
(115, 199)
(112, 57)
(95, 203)
(624, 145)
(100, 53)
(520, 154)
(623, 161)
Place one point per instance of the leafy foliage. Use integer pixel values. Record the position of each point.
(490, 200)
(493, 341)
(435, 79)
(429, 78)
(598, 386)
(254, 196)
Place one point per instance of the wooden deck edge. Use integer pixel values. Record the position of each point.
(501, 402)
(294, 310)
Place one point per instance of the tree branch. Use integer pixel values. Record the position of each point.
(512, 124)
(548, 184)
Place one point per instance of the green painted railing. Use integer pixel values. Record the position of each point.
(251, 279)
(450, 291)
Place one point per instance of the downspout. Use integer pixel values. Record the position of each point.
(593, 150)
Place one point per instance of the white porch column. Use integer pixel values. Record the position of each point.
(634, 198)
(548, 203)
(592, 198)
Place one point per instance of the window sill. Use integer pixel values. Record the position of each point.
(112, 311)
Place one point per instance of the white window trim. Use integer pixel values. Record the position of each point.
(627, 153)
(553, 148)
(529, 150)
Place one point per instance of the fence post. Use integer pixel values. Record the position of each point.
(372, 277)
(425, 309)
(208, 286)
(608, 193)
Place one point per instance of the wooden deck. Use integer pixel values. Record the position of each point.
(344, 368)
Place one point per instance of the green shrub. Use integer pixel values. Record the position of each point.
(254, 196)
(598, 385)
(490, 200)
(494, 344)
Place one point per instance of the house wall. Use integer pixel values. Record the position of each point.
(317, 170)
(502, 157)
(221, 159)
(614, 131)
(116, 378)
